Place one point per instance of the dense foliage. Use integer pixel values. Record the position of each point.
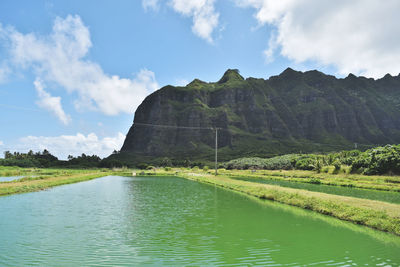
(379, 160)
(285, 162)
(46, 160)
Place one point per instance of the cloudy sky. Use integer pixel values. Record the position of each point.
(73, 72)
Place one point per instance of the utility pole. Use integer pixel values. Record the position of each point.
(216, 151)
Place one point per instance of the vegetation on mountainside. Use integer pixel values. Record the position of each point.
(291, 113)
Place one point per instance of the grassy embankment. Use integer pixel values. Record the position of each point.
(376, 214)
(39, 179)
(375, 182)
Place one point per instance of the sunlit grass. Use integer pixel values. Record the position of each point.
(39, 179)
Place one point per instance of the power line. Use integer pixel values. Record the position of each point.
(191, 128)
(177, 127)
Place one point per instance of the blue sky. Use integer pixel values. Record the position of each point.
(72, 73)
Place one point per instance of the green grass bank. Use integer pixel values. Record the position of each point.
(374, 182)
(40, 179)
(375, 214)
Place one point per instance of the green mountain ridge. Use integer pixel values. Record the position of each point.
(289, 113)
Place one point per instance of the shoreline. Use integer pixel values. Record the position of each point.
(378, 215)
(27, 185)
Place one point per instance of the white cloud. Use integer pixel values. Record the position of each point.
(64, 145)
(272, 46)
(150, 4)
(205, 18)
(1, 143)
(4, 72)
(360, 36)
(59, 59)
(51, 103)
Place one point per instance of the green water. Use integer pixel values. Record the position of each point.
(393, 197)
(120, 221)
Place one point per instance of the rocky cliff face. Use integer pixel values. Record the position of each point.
(291, 112)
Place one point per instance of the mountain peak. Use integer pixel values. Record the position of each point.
(289, 70)
(290, 73)
(231, 75)
(196, 83)
(351, 76)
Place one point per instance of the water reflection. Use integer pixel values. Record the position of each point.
(172, 221)
(10, 178)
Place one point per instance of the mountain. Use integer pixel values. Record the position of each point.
(289, 113)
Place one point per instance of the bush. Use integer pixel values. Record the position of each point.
(166, 162)
(318, 166)
(379, 160)
(142, 166)
(315, 181)
(206, 168)
(306, 163)
(285, 162)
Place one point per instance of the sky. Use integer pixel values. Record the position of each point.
(72, 73)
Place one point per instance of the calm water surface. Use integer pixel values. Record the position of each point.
(10, 178)
(388, 196)
(120, 221)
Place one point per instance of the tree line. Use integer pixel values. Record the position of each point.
(375, 161)
(44, 159)
(378, 160)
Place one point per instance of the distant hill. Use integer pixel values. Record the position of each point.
(289, 113)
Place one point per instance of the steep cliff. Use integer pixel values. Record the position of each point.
(292, 112)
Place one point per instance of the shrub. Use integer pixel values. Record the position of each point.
(336, 164)
(318, 165)
(142, 166)
(315, 181)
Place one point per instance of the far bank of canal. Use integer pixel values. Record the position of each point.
(387, 196)
(172, 221)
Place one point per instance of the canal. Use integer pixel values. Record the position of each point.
(387, 196)
(123, 221)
